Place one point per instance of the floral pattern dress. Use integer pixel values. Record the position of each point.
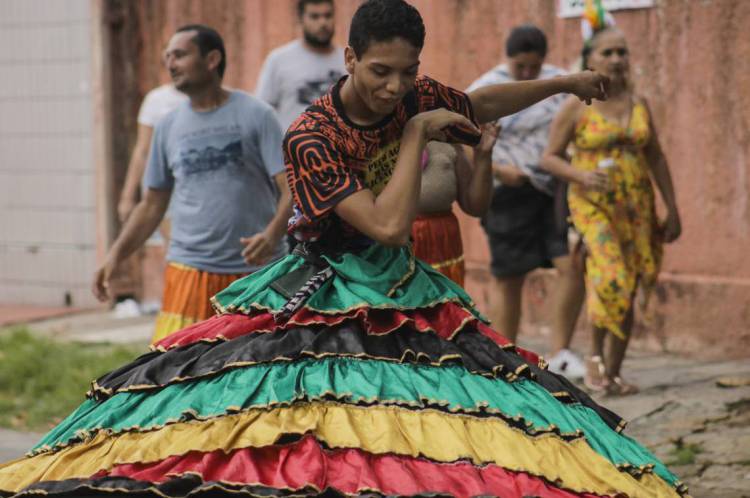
(619, 227)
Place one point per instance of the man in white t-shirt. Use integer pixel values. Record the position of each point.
(157, 104)
(296, 74)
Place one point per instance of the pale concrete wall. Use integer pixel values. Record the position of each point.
(47, 229)
(691, 58)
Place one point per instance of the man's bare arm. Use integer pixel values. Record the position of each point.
(141, 224)
(492, 102)
(136, 167)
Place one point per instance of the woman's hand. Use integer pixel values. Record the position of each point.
(595, 180)
(672, 226)
(490, 134)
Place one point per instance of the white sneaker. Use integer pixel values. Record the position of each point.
(567, 363)
(126, 309)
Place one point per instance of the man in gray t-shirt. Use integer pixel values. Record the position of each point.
(296, 74)
(219, 158)
(219, 165)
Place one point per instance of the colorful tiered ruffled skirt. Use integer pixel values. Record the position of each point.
(384, 381)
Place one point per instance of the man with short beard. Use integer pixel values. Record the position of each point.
(218, 158)
(296, 74)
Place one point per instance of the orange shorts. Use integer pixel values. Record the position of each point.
(187, 294)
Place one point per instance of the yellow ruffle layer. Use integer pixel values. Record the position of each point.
(433, 434)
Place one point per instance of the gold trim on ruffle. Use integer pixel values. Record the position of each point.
(494, 373)
(247, 309)
(409, 273)
(471, 317)
(447, 262)
(481, 409)
(221, 485)
(429, 433)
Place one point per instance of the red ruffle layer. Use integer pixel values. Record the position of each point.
(305, 463)
(444, 319)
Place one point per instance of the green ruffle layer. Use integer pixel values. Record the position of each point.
(377, 277)
(353, 381)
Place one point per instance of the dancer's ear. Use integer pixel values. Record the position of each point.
(350, 59)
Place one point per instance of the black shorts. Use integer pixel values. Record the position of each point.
(523, 231)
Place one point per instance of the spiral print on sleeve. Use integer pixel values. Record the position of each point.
(316, 174)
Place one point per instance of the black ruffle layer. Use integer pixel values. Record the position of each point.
(469, 348)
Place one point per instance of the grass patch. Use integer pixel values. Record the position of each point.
(684, 454)
(42, 380)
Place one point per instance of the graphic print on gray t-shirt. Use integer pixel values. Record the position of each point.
(209, 149)
(311, 90)
(220, 166)
(293, 77)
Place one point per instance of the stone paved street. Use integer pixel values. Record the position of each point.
(14, 444)
(683, 415)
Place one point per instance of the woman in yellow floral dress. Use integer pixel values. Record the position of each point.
(611, 198)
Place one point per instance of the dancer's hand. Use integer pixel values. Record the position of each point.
(588, 85)
(432, 124)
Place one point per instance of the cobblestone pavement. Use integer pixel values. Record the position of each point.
(690, 422)
(682, 413)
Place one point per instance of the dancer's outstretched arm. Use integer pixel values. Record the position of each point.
(492, 102)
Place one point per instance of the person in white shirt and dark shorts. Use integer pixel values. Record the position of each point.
(523, 229)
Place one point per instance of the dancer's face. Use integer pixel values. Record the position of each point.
(317, 24)
(525, 66)
(384, 74)
(188, 68)
(610, 57)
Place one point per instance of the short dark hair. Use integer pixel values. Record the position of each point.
(302, 4)
(208, 39)
(383, 20)
(526, 38)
